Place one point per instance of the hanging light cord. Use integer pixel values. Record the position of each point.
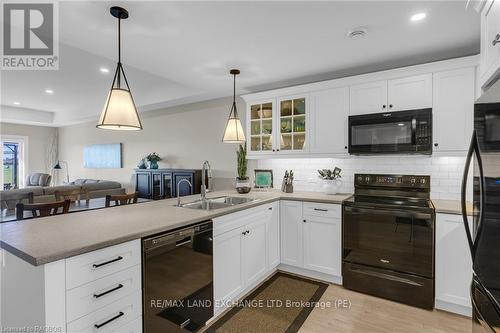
(234, 97)
(119, 50)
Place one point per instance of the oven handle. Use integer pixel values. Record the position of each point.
(414, 131)
(400, 213)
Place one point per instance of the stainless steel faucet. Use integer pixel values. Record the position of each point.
(206, 167)
(178, 192)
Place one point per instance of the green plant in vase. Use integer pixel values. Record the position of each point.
(153, 160)
(242, 181)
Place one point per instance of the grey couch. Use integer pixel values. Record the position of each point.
(96, 189)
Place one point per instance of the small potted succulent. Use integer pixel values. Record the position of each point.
(242, 181)
(153, 160)
(332, 180)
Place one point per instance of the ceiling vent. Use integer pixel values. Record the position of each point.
(357, 33)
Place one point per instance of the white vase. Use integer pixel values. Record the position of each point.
(332, 186)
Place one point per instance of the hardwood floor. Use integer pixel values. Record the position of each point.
(374, 315)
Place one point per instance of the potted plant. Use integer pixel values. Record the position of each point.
(242, 181)
(332, 180)
(153, 160)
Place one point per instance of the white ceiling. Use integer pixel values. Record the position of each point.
(181, 52)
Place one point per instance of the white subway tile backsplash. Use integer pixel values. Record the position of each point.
(445, 171)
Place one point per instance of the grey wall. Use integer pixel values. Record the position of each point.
(183, 136)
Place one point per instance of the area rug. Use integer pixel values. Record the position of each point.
(279, 305)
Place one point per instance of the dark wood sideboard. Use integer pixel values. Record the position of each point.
(162, 183)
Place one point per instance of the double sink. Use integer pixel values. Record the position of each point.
(216, 203)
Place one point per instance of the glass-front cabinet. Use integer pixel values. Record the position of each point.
(261, 127)
(292, 124)
(277, 126)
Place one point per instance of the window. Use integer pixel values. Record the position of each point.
(13, 162)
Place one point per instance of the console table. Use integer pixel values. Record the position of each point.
(162, 183)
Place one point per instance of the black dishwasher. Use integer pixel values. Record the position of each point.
(178, 279)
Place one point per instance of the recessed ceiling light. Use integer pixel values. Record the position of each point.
(418, 17)
(357, 32)
(16, 103)
(49, 91)
(104, 70)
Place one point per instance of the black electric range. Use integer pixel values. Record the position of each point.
(388, 238)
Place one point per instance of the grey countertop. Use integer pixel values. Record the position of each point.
(43, 240)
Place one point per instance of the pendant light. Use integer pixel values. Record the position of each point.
(119, 111)
(234, 131)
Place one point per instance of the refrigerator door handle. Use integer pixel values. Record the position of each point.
(473, 148)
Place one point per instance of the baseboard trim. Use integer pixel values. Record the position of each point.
(453, 307)
(310, 274)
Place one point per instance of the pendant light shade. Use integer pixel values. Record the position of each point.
(119, 112)
(234, 131)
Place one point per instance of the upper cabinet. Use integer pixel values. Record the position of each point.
(368, 98)
(329, 114)
(278, 125)
(407, 93)
(410, 93)
(312, 119)
(490, 43)
(453, 109)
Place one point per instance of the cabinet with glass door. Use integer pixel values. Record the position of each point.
(292, 124)
(261, 127)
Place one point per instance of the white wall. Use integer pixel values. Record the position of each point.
(445, 171)
(183, 136)
(39, 139)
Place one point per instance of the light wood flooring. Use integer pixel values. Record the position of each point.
(374, 315)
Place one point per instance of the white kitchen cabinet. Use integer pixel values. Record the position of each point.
(261, 127)
(453, 265)
(322, 244)
(329, 121)
(453, 109)
(241, 252)
(490, 43)
(273, 236)
(293, 124)
(409, 93)
(228, 267)
(254, 252)
(311, 236)
(291, 233)
(368, 98)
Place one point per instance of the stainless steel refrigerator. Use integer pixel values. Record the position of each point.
(483, 161)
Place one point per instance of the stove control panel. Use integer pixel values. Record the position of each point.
(392, 180)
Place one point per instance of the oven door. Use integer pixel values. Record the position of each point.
(398, 240)
(394, 132)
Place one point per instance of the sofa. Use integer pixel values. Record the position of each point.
(95, 187)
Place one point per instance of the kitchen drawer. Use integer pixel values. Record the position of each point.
(111, 317)
(99, 293)
(97, 264)
(132, 327)
(237, 220)
(322, 210)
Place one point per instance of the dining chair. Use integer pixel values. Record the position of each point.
(122, 199)
(42, 209)
(73, 195)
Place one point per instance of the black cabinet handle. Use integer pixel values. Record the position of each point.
(383, 106)
(107, 262)
(304, 221)
(109, 320)
(277, 150)
(270, 208)
(390, 106)
(274, 149)
(345, 147)
(244, 233)
(436, 144)
(496, 40)
(320, 209)
(120, 286)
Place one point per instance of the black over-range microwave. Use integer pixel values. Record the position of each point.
(400, 132)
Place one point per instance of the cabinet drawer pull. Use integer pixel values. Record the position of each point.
(109, 320)
(304, 221)
(107, 262)
(496, 40)
(120, 286)
(270, 208)
(320, 209)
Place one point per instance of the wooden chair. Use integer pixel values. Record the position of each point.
(73, 195)
(42, 209)
(122, 199)
(13, 199)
